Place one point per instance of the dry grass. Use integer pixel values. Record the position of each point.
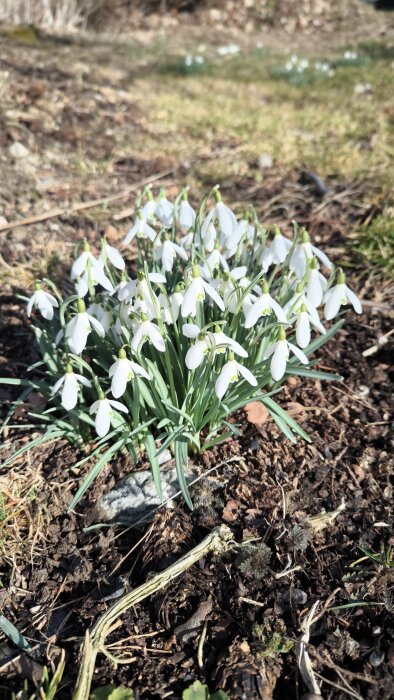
(54, 14)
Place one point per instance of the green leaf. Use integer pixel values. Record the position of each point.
(323, 339)
(13, 634)
(220, 695)
(197, 691)
(314, 374)
(111, 692)
(181, 462)
(47, 437)
(154, 463)
(95, 471)
(275, 409)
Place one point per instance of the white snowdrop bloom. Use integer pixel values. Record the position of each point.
(209, 236)
(122, 371)
(69, 383)
(104, 315)
(302, 254)
(280, 352)
(303, 326)
(93, 275)
(43, 301)
(230, 287)
(108, 252)
(187, 241)
(78, 329)
(186, 215)
(317, 284)
(146, 330)
(223, 215)
(338, 296)
(214, 261)
(196, 292)
(264, 306)
(206, 341)
(165, 211)
(149, 209)
(165, 309)
(141, 229)
(103, 410)
(83, 262)
(230, 373)
(139, 289)
(280, 247)
(167, 253)
(266, 258)
(299, 299)
(176, 299)
(243, 230)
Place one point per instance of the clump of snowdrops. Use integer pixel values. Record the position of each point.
(215, 311)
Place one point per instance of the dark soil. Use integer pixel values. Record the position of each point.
(262, 487)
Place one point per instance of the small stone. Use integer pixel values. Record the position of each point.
(265, 161)
(376, 658)
(18, 151)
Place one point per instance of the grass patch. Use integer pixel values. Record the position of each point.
(376, 244)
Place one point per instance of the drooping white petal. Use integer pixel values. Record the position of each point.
(190, 330)
(322, 257)
(228, 374)
(278, 311)
(186, 215)
(131, 233)
(354, 300)
(303, 330)
(70, 391)
(137, 369)
(30, 303)
(279, 360)
(44, 305)
(156, 337)
(79, 265)
(213, 294)
(315, 288)
(298, 353)
(120, 374)
(137, 338)
(115, 257)
(96, 325)
(195, 354)
(58, 384)
(333, 302)
(82, 380)
(118, 406)
(157, 278)
(192, 293)
(223, 339)
(247, 374)
(103, 417)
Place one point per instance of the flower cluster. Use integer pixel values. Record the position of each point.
(213, 308)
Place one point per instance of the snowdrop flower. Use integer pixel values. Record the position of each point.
(186, 215)
(303, 326)
(243, 229)
(217, 341)
(223, 215)
(78, 329)
(167, 253)
(103, 410)
(196, 292)
(43, 301)
(146, 330)
(149, 208)
(108, 252)
(70, 383)
(122, 371)
(317, 284)
(208, 235)
(176, 299)
(264, 306)
(141, 229)
(165, 309)
(280, 247)
(231, 287)
(230, 373)
(214, 261)
(293, 306)
(280, 352)
(338, 296)
(165, 211)
(303, 252)
(83, 262)
(140, 290)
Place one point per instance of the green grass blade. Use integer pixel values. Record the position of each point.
(13, 634)
(154, 463)
(95, 471)
(181, 462)
(314, 374)
(273, 407)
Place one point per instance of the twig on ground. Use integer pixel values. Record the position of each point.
(218, 541)
(382, 340)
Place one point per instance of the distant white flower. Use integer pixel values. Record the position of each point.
(108, 252)
(186, 215)
(43, 301)
(70, 383)
(280, 352)
(103, 410)
(165, 211)
(209, 236)
(167, 253)
(141, 229)
(303, 326)
(231, 288)
(146, 330)
(276, 253)
(149, 209)
(214, 261)
(302, 254)
(338, 296)
(104, 315)
(83, 262)
(176, 299)
(223, 215)
(264, 306)
(196, 292)
(230, 373)
(78, 329)
(122, 371)
(317, 284)
(165, 309)
(93, 274)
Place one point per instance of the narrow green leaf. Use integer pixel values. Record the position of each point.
(283, 427)
(95, 471)
(151, 451)
(314, 374)
(48, 437)
(273, 407)
(181, 462)
(13, 634)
